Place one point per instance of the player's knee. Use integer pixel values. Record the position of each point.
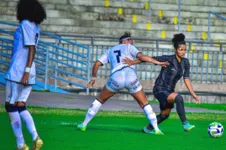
(179, 99)
(10, 108)
(164, 116)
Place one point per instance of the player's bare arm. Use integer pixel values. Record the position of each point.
(189, 87)
(144, 58)
(94, 73)
(31, 56)
(131, 62)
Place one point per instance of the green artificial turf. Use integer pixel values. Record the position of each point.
(113, 131)
(201, 105)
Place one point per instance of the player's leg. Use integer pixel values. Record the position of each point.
(95, 107)
(142, 101)
(27, 118)
(160, 118)
(135, 89)
(12, 92)
(165, 107)
(181, 111)
(115, 83)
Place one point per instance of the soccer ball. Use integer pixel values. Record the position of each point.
(215, 129)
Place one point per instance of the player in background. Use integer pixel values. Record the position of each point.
(164, 89)
(21, 74)
(122, 76)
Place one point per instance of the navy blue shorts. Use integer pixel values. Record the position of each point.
(161, 95)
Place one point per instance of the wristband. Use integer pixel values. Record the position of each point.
(27, 69)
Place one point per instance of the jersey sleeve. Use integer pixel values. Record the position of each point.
(104, 58)
(29, 34)
(161, 58)
(133, 51)
(186, 69)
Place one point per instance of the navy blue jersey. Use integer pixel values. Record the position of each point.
(170, 75)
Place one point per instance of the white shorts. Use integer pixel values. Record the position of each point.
(124, 78)
(16, 92)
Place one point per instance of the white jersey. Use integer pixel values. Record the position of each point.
(27, 34)
(116, 54)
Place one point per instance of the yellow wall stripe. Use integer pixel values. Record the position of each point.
(175, 20)
(161, 14)
(120, 10)
(163, 34)
(204, 35)
(146, 5)
(206, 56)
(106, 4)
(189, 28)
(220, 64)
(134, 19)
(148, 26)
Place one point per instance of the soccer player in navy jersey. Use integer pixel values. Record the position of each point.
(164, 88)
(21, 74)
(122, 76)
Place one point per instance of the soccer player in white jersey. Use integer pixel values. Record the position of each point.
(122, 76)
(21, 74)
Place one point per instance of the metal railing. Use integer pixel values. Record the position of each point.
(206, 66)
(59, 62)
(209, 20)
(206, 58)
(63, 60)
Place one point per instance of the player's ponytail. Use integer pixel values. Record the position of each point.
(178, 39)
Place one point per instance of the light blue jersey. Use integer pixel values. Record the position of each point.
(116, 54)
(27, 34)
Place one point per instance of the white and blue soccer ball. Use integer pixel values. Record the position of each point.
(215, 129)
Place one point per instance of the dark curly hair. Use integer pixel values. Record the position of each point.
(178, 39)
(31, 10)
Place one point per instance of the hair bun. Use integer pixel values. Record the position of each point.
(178, 38)
(127, 33)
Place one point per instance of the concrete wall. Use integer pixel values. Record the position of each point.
(93, 17)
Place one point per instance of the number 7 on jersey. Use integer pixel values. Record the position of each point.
(118, 54)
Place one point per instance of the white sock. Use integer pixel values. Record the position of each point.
(28, 120)
(17, 128)
(92, 111)
(151, 116)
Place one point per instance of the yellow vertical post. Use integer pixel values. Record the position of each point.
(148, 26)
(206, 56)
(161, 14)
(120, 10)
(106, 4)
(192, 49)
(163, 34)
(189, 28)
(134, 19)
(146, 5)
(175, 20)
(204, 35)
(218, 43)
(220, 64)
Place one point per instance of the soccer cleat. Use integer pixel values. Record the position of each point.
(146, 130)
(25, 147)
(37, 144)
(187, 127)
(81, 127)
